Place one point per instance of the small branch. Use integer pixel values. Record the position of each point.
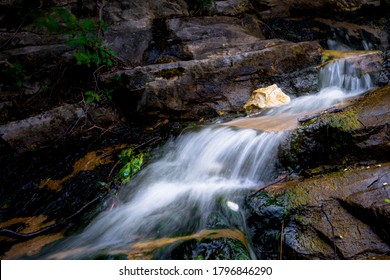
(14, 234)
(6, 63)
(13, 36)
(281, 241)
(362, 123)
(150, 141)
(83, 208)
(45, 230)
(100, 30)
(377, 179)
(96, 77)
(113, 168)
(260, 188)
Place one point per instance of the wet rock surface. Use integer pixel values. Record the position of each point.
(337, 210)
(357, 134)
(323, 217)
(218, 83)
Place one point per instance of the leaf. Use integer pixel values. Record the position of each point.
(387, 200)
(82, 34)
(89, 99)
(108, 94)
(125, 155)
(103, 25)
(133, 164)
(91, 96)
(88, 26)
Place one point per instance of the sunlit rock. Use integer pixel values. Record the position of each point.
(268, 97)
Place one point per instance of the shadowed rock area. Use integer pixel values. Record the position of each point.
(178, 64)
(340, 215)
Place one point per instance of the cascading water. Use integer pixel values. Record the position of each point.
(178, 192)
(343, 75)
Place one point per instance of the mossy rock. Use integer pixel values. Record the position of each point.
(340, 215)
(355, 134)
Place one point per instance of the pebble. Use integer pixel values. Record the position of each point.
(233, 206)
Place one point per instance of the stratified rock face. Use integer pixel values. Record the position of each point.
(206, 36)
(55, 124)
(132, 25)
(268, 97)
(220, 83)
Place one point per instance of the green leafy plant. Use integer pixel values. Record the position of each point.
(83, 35)
(387, 200)
(132, 163)
(92, 95)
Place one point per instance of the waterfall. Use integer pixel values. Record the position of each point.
(343, 75)
(178, 191)
(339, 80)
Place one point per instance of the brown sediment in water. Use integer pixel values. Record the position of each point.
(279, 122)
(31, 247)
(87, 163)
(145, 250)
(28, 225)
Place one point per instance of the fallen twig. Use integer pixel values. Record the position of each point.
(45, 230)
(281, 241)
(260, 188)
(18, 235)
(150, 141)
(376, 180)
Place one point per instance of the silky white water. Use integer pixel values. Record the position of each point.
(199, 173)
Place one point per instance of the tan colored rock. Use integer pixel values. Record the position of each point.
(268, 97)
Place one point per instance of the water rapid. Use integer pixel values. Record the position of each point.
(200, 173)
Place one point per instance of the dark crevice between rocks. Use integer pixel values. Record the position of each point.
(308, 25)
(165, 47)
(378, 217)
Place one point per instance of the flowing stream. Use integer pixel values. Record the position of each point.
(202, 171)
